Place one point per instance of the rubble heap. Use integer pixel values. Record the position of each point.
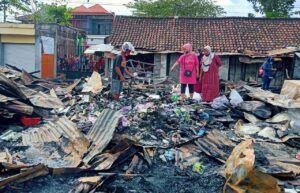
(70, 137)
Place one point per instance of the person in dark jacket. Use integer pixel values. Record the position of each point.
(120, 69)
(267, 73)
(198, 85)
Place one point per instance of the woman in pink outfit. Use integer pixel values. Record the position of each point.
(209, 74)
(188, 69)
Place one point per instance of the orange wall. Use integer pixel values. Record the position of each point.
(48, 66)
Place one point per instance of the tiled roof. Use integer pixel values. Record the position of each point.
(80, 9)
(93, 10)
(97, 9)
(226, 35)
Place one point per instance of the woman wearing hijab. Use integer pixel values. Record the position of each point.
(188, 69)
(198, 85)
(209, 74)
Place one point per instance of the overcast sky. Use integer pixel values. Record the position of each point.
(232, 7)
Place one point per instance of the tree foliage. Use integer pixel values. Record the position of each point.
(274, 8)
(12, 5)
(53, 13)
(163, 8)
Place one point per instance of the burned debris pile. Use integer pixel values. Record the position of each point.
(59, 136)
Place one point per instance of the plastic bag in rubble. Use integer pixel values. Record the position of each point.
(176, 89)
(243, 177)
(220, 103)
(125, 122)
(197, 97)
(235, 98)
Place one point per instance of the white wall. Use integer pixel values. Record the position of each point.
(95, 39)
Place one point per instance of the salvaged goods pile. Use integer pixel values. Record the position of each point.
(71, 137)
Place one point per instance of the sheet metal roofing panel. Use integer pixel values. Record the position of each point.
(4, 99)
(102, 132)
(52, 131)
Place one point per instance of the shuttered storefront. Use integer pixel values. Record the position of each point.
(20, 55)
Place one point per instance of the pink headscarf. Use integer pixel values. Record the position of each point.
(188, 47)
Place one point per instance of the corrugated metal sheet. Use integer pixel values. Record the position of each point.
(4, 99)
(102, 132)
(64, 132)
(52, 131)
(217, 145)
(41, 99)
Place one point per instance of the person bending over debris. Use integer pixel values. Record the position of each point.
(210, 74)
(119, 70)
(188, 69)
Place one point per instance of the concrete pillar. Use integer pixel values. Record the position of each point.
(224, 69)
(38, 56)
(160, 61)
(163, 65)
(157, 62)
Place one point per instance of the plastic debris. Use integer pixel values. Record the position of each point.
(201, 132)
(220, 103)
(235, 98)
(198, 168)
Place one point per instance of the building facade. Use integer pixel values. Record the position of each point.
(18, 46)
(37, 47)
(95, 21)
(242, 43)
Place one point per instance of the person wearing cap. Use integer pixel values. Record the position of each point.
(120, 69)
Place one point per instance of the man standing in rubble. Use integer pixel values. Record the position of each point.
(119, 70)
(267, 76)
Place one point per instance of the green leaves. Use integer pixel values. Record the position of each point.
(274, 8)
(22, 5)
(59, 14)
(13, 5)
(164, 8)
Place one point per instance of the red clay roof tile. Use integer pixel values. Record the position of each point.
(93, 10)
(222, 34)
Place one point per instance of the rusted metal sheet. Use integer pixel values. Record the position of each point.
(36, 171)
(118, 154)
(27, 78)
(66, 90)
(88, 184)
(13, 105)
(216, 145)
(64, 132)
(36, 98)
(17, 107)
(279, 159)
(51, 131)
(41, 99)
(11, 87)
(282, 51)
(102, 132)
(4, 99)
(241, 174)
(272, 98)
